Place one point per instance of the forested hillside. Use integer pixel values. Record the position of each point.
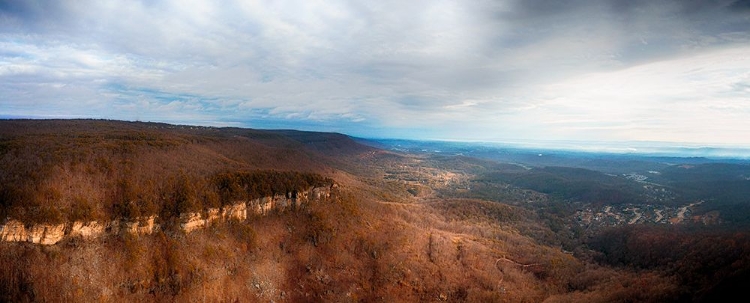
(158, 212)
(87, 169)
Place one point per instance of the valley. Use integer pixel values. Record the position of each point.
(153, 212)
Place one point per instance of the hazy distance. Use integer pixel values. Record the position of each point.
(609, 73)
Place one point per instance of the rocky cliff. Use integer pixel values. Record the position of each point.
(50, 234)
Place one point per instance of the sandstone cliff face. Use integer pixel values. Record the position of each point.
(45, 234)
(50, 234)
(13, 231)
(212, 215)
(194, 220)
(142, 226)
(87, 230)
(319, 193)
(236, 211)
(262, 206)
(191, 222)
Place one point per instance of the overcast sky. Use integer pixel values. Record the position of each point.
(615, 70)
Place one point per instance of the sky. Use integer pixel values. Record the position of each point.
(526, 70)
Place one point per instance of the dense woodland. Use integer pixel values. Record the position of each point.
(400, 227)
(572, 184)
(709, 265)
(59, 171)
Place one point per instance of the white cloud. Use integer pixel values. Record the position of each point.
(532, 69)
(688, 99)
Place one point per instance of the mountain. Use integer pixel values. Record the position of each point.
(98, 210)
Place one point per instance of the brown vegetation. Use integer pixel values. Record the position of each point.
(375, 239)
(56, 171)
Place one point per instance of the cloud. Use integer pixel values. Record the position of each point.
(481, 70)
(692, 98)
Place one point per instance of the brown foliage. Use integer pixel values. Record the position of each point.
(703, 262)
(374, 241)
(60, 170)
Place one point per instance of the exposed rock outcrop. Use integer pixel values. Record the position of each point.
(262, 206)
(46, 234)
(194, 220)
(50, 234)
(13, 231)
(191, 222)
(87, 230)
(212, 215)
(142, 226)
(236, 211)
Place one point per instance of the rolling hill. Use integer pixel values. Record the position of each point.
(96, 210)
